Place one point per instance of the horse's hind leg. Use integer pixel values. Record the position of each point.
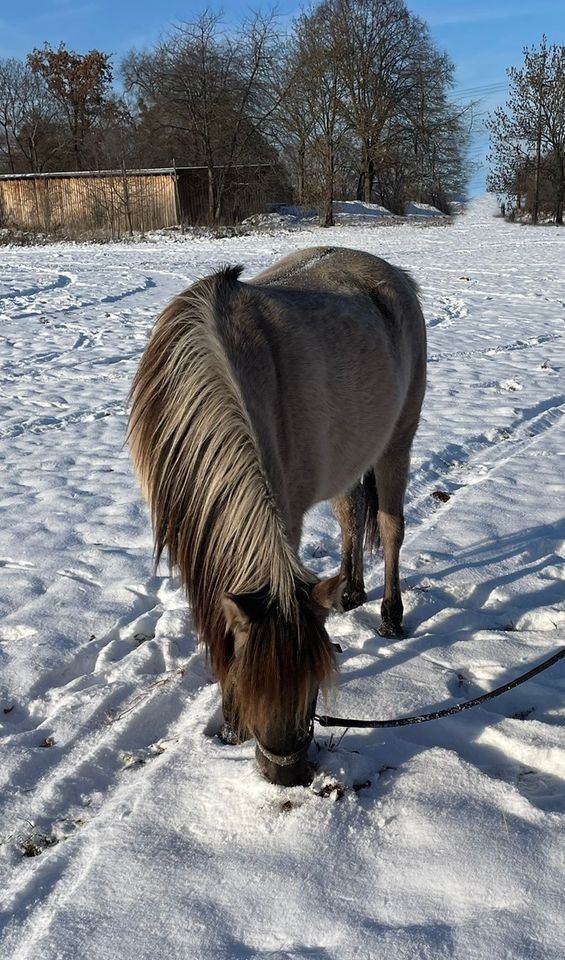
(350, 512)
(391, 475)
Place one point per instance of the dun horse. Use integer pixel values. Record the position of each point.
(253, 401)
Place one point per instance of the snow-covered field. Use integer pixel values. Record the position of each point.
(154, 840)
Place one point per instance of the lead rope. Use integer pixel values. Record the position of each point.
(327, 721)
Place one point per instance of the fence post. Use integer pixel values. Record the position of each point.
(125, 186)
(177, 197)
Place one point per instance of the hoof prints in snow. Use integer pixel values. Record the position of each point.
(113, 707)
(40, 424)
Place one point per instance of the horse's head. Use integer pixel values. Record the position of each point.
(278, 666)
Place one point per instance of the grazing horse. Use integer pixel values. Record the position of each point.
(252, 402)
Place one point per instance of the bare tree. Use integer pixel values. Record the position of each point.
(28, 120)
(213, 91)
(528, 134)
(313, 105)
(553, 126)
(293, 127)
(436, 131)
(379, 43)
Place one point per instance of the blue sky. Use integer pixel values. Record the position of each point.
(482, 38)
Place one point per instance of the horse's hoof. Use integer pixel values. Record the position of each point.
(351, 600)
(232, 737)
(390, 631)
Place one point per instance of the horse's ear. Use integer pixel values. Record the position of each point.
(236, 617)
(327, 593)
(241, 610)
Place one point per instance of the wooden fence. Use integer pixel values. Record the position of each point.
(114, 203)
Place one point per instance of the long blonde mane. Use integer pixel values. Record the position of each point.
(199, 463)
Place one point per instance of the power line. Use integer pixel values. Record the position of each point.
(479, 92)
(483, 87)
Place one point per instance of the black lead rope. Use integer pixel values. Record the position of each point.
(326, 721)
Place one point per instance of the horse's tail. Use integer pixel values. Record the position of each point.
(372, 537)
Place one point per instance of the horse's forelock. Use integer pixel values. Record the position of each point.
(279, 665)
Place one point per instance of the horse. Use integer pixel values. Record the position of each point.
(252, 402)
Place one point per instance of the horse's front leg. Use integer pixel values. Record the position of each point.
(231, 731)
(350, 512)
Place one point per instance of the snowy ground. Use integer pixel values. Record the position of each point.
(155, 840)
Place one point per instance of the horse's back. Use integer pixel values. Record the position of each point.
(345, 338)
(333, 273)
(350, 307)
(334, 269)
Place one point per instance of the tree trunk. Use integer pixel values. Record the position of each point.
(33, 160)
(327, 216)
(211, 197)
(300, 173)
(220, 192)
(366, 174)
(535, 210)
(127, 198)
(178, 211)
(360, 186)
(560, 194)
(560, 203)
(368, 180)
(9, 149)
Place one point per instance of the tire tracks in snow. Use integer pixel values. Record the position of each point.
(493, 350)
(458, 466)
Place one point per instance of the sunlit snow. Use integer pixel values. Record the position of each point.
(153, 839)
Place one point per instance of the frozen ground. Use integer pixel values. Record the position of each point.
(155, 840)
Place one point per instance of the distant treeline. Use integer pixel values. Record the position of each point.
(352, 102)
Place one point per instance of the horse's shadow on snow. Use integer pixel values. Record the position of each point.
(526, 553)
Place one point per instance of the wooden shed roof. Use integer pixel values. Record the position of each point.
(150, 171)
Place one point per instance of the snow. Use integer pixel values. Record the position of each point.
(357, 208)
(351, 212)
(414, 209)
(155, 840)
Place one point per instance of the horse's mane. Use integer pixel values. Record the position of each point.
(198, 460)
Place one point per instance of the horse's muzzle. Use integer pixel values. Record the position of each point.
(286, 770)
